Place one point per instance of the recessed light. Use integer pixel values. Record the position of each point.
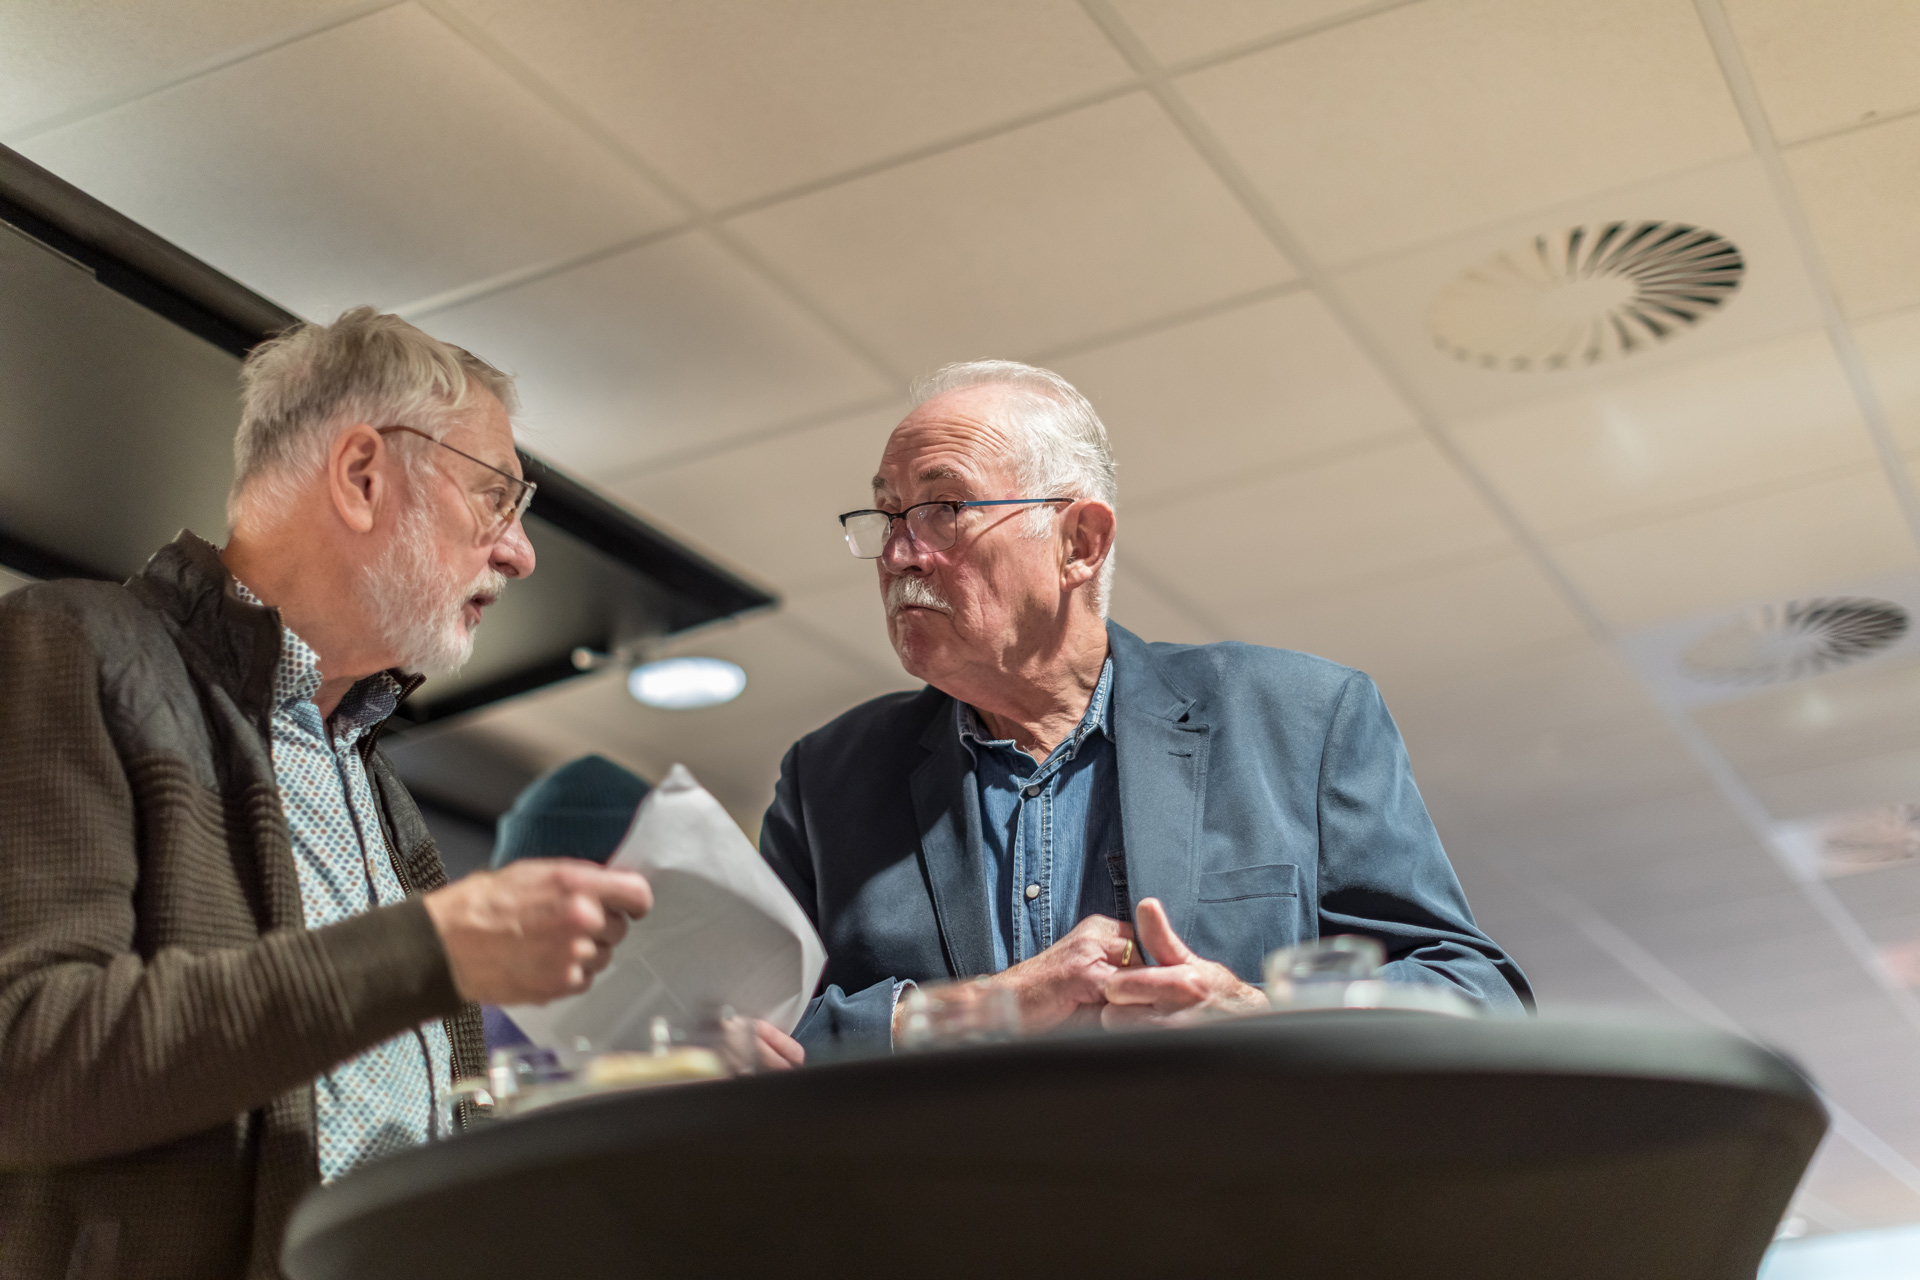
(680, 684)
(1586, 294)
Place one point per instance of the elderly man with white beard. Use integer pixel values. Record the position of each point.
(231, 966)
(1115, 832)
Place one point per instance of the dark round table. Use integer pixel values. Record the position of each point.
(1351, 1144)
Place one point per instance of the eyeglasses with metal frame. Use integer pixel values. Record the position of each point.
(931, 526)
(502, 506)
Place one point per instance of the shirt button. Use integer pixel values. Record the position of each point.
(1030, 793)
(1033, 891)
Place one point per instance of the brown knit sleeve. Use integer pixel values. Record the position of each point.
(103, 1051)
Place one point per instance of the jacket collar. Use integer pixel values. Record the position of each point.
(238, 642)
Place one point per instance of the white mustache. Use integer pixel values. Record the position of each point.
(909, 591)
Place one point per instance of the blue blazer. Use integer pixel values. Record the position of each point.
(1265, 798)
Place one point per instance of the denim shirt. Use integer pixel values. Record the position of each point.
(384, 1100)
(1051, 830)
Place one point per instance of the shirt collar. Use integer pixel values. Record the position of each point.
(296, 678)
(972, 727)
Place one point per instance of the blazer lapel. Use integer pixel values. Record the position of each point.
(946, 807)
(1162, 756)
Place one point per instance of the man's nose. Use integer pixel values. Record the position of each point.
(901, 551)
(513, 552)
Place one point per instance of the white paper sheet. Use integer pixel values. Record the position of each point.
(723, 931)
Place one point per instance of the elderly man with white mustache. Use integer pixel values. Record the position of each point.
(230, 964)
(1116, 832)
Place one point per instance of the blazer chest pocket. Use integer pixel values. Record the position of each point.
(1239, 884)
(1242, 913)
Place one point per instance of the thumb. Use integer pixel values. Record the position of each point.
(1156, 935)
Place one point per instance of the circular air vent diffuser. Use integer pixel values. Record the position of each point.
(1876, 838)
(1588, 294)
(1781, 642)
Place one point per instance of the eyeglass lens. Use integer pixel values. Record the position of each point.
(932, 527)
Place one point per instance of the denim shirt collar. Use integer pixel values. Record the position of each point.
(974, 732)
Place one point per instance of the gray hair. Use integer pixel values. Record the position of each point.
(1060, 444)
(298, 388)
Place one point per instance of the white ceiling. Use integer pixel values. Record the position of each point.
(717, 239)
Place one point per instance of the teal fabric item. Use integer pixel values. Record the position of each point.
(580, 810)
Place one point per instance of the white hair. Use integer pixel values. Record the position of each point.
(300, 387)
(1060, 445)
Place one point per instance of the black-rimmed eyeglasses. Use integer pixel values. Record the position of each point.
(497, 506)
(931, 526)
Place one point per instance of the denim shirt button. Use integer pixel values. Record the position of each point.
(1030, 793)
(1033, 891)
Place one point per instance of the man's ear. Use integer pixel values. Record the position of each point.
(357, 477)
(1086, 534)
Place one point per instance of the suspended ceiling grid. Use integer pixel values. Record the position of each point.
(717, 239)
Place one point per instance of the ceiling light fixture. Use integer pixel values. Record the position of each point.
(679, 684)
(1590, 293)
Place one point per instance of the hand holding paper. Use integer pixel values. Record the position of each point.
(723, 931)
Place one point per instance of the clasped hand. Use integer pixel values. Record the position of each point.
(1093, 973)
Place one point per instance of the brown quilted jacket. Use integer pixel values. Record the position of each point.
(163, 1009)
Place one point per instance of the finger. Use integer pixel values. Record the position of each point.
(1157, 936)
(583, 914)
(613, 930)
(624, 891)
(1164, 989)
(1120, 1017)
(778, 1050)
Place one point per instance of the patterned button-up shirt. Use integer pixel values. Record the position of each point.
(385, 1099)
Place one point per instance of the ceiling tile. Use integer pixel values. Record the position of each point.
(670, 347)
(1446, 619)
(1430, 119)
(380, 161)
(1887, 902)
(769, 505)
(1270, 383)
(734, 99)
(1778, 544)
(1890, 345)
(1859, 191)
(1141, 606)
(1034, 239)
(57, 58)
(1820, 65)
(1174, 30)
(1889, 777)
(1834, 719)
(1324, 529)
(1772, 413)
(852, 618)
(1393, 297)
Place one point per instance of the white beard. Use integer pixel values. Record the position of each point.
(416, 606)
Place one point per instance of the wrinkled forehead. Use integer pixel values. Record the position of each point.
(950, 442)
